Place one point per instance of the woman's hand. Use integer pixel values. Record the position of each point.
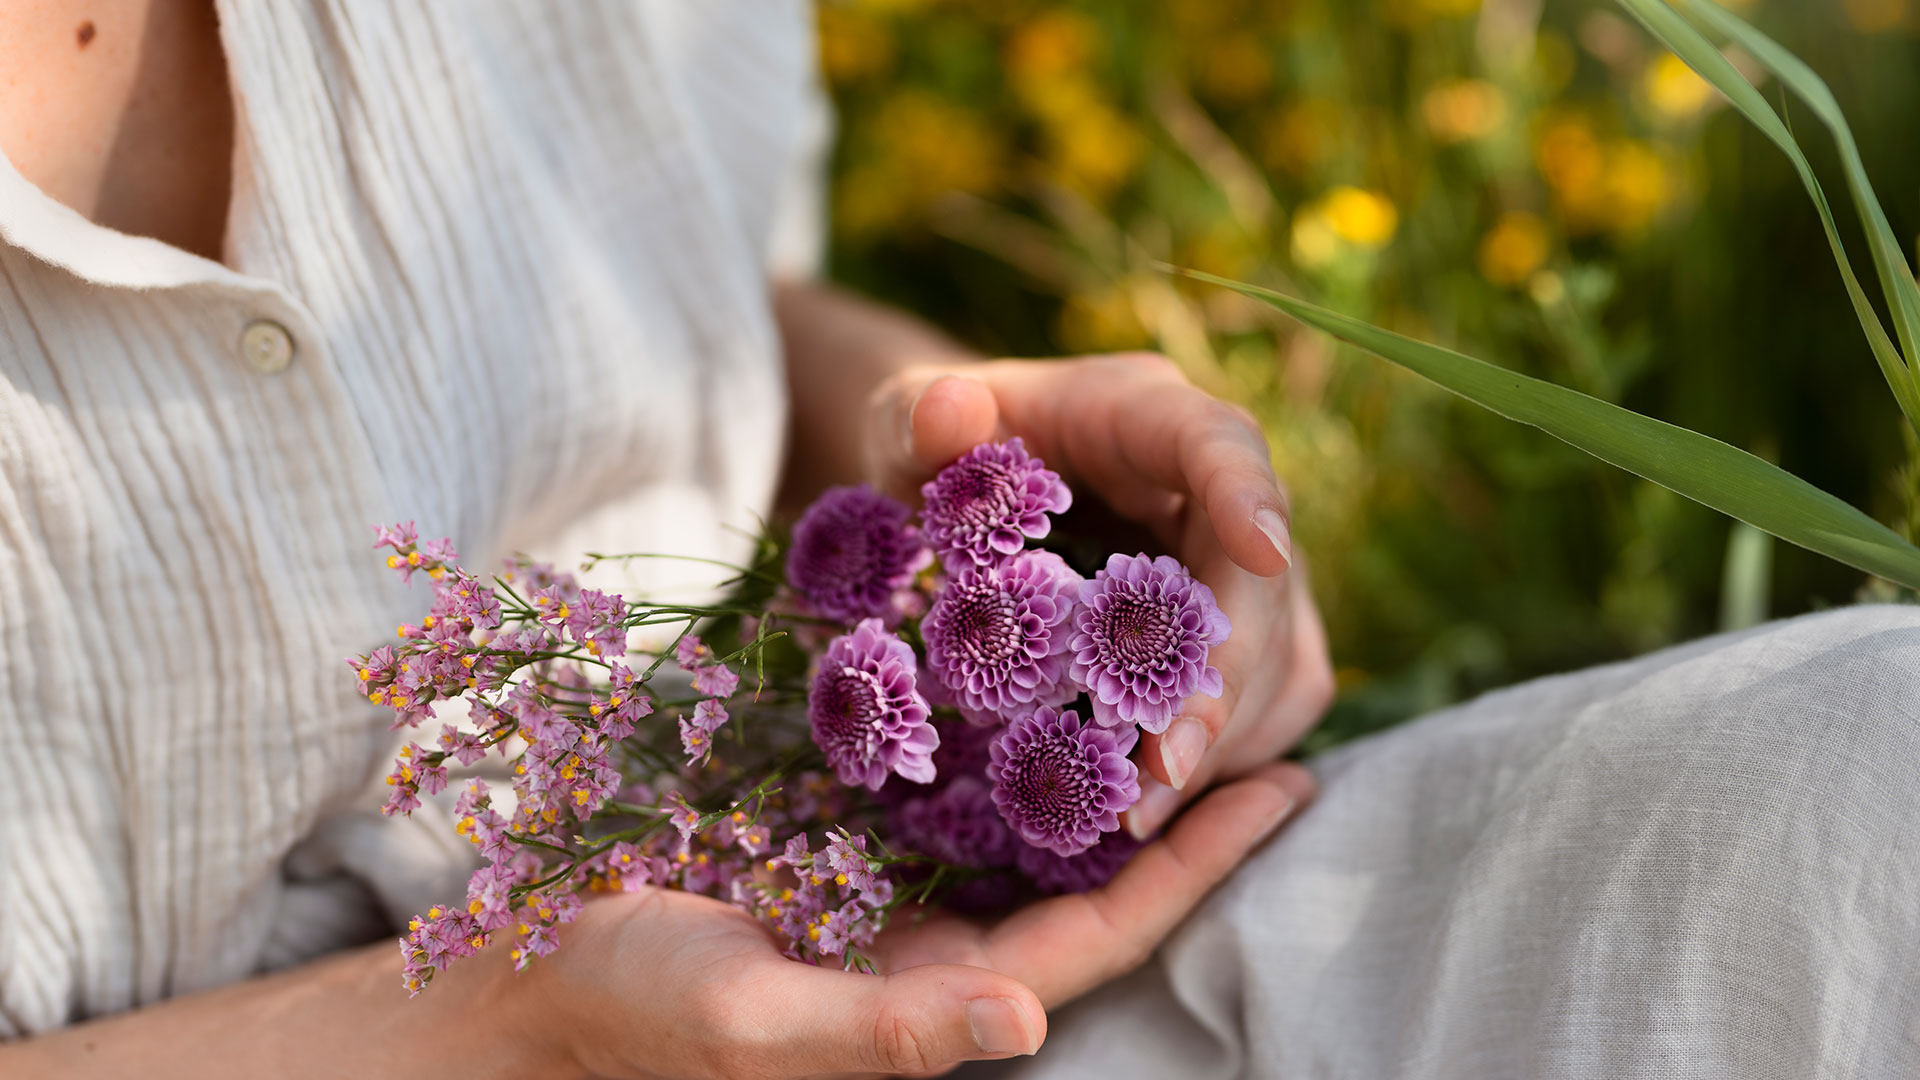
(665, 984)
(1192, 470)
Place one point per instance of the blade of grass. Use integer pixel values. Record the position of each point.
(1699, 54)
(1704, 469)
(1889, 262)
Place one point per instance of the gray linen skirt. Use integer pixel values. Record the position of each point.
(1701, 863)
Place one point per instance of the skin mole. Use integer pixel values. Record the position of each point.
(85, 33)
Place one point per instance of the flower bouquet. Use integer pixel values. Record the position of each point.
(933, 713)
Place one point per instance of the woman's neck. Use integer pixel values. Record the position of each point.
(120, 109)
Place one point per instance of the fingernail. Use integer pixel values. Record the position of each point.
(998, 1026)
(1269, 521)
(1157, 804)
(906, 422)
(1180, 749)
(1278, 818)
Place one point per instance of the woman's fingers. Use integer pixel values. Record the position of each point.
(921, 419)
(1132, 421)
(810, 1021)
(1129, 426)
(1065, 946)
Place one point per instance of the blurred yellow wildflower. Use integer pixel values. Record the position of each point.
(1360, 217)
(853, 45)
(1570, 159)
(1344, 217)
(1516, 247)
(1103, 321)
(1051, 45)
(1094, 147)
(916, 147)
(1232, 70)
(1301, 137)
(1463, 109)
(1874, 16)
(1414, 13)
(1674, 90)
(1639, 185)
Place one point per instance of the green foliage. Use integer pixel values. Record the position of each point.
(1551, 189)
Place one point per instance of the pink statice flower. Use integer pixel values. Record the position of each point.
(696, 732)
(716, 680)
(690, 652)
(1060, 783)
(986, 505)
(1141, 639)
(866, 712)
(997, 636)
(1086, 871)
(852, 551)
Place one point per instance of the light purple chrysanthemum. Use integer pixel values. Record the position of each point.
(1086, 871)
(1061, 783)
(865, 711)
(983, 507)
(958, 824)
(1140, 640)
(997, 638)
(851, 550)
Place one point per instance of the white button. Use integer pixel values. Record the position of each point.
(266, 347)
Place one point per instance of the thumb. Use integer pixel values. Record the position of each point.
(929, 417)
(918, 1020)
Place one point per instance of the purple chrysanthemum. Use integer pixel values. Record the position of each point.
(997, 637)
(866, 713)
(1140, 640)
(958, 824)
(851, 550)
(1086, 871)
(983, 507)
(1061, 783)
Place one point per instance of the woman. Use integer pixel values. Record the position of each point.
(278, 271)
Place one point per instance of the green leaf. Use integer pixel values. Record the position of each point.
(1699, 54)
(1706, 470)
(1889, 263)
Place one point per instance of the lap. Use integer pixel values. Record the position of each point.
(1705, 862)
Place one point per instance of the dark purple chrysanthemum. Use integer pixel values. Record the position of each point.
(865, 712)
(997, 637)
(1088, 870)
(983, 507)
(1140, 640)
(851, 550)
(1061, 783)
(958, 824)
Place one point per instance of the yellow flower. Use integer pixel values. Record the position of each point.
(1233, 69)
(1463, 109)
(1362, 218)
(1639, 185)
(1674, 90)
(853, 46)
(1301, 136)
(1097, 149)
(1052, 45)
(917, 147)
(1514, 248)
(1874, 16)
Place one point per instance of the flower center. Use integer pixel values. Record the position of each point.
(1139, 633)
(986, 629)
(854, 704)
(981, 494)
(1052, 781)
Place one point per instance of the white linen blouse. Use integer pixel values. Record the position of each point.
(497, 268)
